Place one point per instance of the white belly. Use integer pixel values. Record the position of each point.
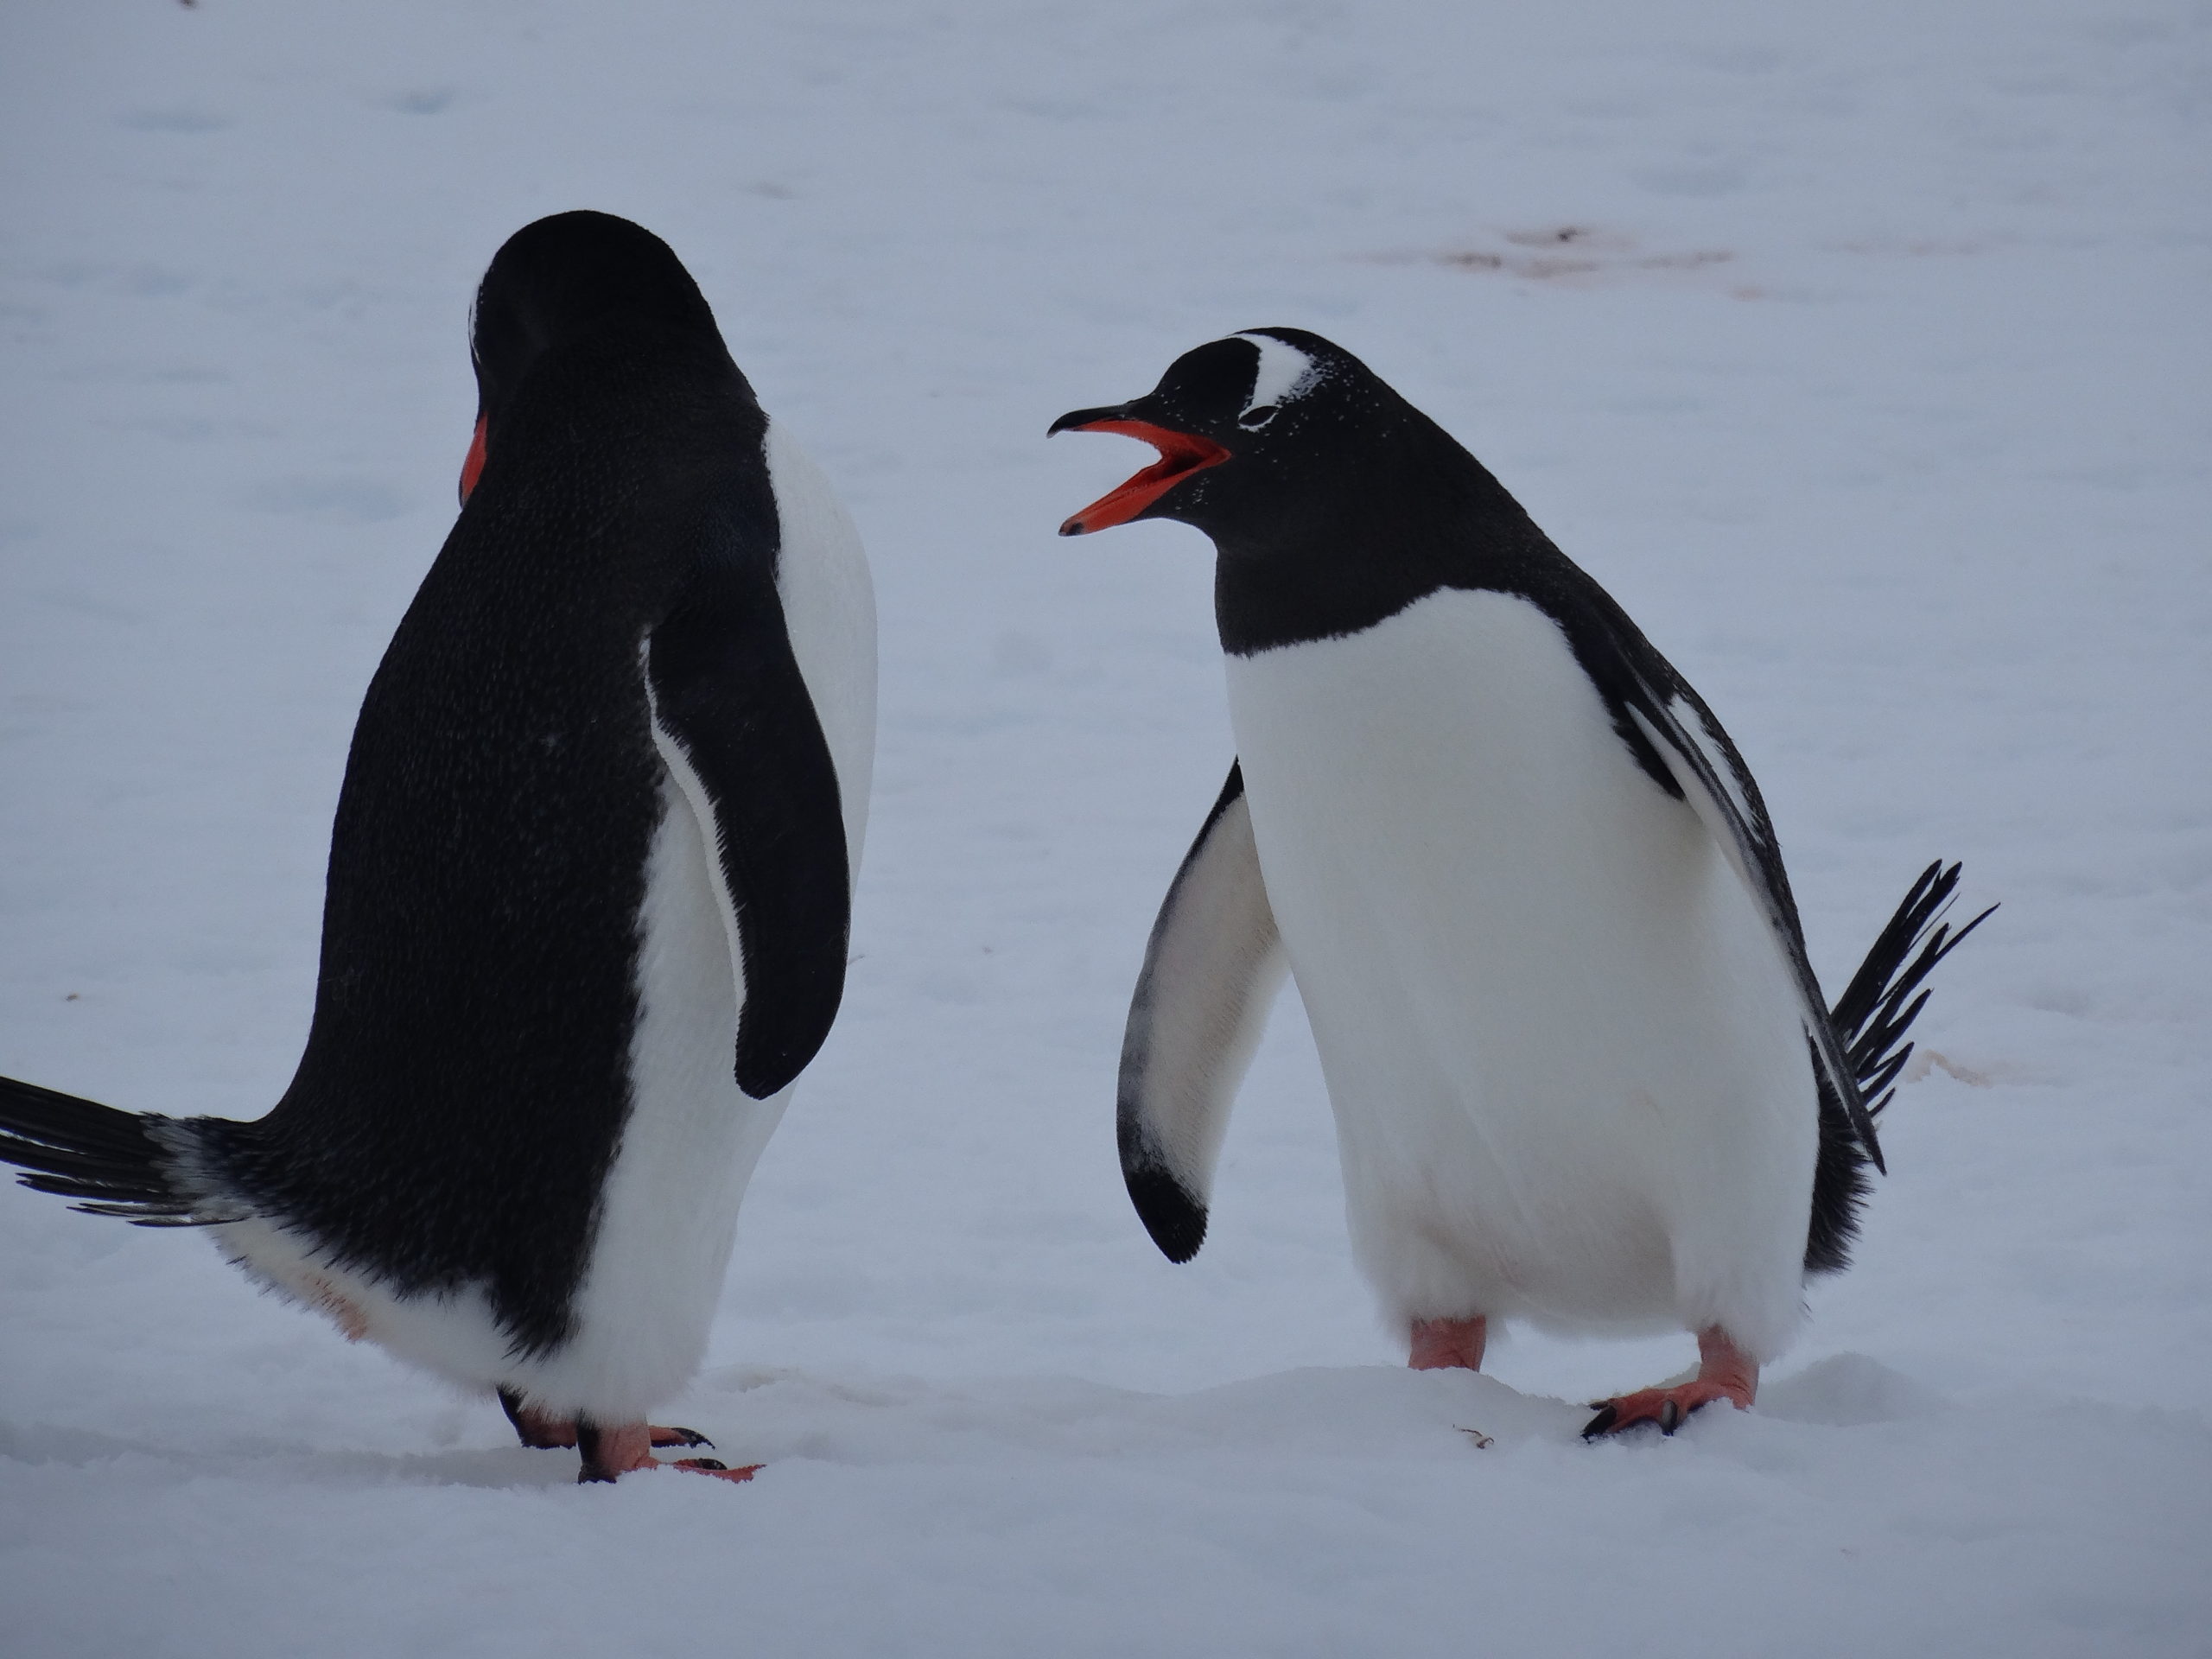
(1570, 1080)
(669, 1210)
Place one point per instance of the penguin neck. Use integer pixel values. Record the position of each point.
(1424, 515)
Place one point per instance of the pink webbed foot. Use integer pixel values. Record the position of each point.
(1443, 1343)
(609, 1452)
(1665, 1407)
(1724, 1372)
(717, 1468)
(542, 1431)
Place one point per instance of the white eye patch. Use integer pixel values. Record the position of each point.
(1284, 373)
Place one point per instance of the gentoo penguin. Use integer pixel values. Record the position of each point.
(589, 882)
(1581, 1070)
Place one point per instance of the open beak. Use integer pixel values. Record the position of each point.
(1182, 454)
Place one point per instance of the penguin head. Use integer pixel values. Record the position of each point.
(1240, 424)
(561, 280)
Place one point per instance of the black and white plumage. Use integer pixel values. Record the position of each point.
(590, 877)
(1582, 1071)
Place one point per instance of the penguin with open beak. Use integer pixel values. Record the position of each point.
(1582, 1073)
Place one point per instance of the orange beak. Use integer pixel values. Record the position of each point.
(1181, 454)
(474, 464)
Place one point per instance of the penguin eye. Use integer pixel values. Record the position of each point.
(1253, 419)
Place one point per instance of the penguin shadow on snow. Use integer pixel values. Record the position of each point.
(793, 1417)
(1353, 1413)
(494, 1468)
(1358, 1412)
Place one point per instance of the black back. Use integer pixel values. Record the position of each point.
(465, 1079)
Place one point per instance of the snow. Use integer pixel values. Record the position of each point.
(1861, 353)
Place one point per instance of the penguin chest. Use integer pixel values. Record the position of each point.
(1566, 1063)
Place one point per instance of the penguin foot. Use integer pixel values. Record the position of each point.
(1665, 1407)
(542, 1431)
(717, 1468)
(1442, 1343)
(679, 1437)
(610, 1453)
(560, 1435)
(1724, 1372)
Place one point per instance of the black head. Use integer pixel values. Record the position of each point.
(1250, 429)
(1332, 502)
(563, 280)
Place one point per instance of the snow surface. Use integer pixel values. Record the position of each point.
(1859, 350)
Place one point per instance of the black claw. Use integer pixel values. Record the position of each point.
(1601, 1424)
(683, 1437)
(704, 1463)
(1670, 1418)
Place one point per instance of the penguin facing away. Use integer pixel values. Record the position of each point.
(1582, 1073)
(589, 887)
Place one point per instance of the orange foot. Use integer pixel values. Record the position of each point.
(1724, 1372)
(611, 1451)
(542, 1431)
(715, 1467)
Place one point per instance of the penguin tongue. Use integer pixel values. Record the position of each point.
(1181, 454)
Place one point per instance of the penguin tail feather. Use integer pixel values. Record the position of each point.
(117, 1163)
(1888, 992)
(1871, 1020)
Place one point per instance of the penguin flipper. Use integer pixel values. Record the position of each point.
(1717, 787)
(732, 717)
(1212, 969)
